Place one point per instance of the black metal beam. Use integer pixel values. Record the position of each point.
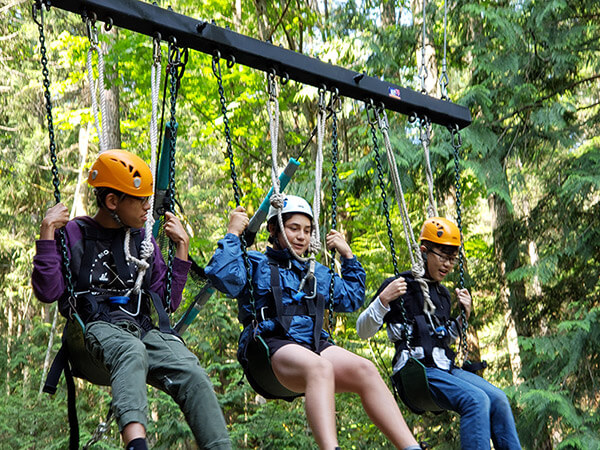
(205, 37)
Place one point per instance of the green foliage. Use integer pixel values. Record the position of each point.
(527, 71)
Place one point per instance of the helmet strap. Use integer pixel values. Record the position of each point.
(116, 218)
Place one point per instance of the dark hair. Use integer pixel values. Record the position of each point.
(102, 193)
(445, 249)
(284, 218)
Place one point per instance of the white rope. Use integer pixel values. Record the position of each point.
(315, 242)
(94, 47)
(416, 258)
(103, 109)
(276, 198)
(425, 137)
(147, 248)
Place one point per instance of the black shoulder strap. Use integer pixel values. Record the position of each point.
(90, 236)
(422, 330)
(314, 307)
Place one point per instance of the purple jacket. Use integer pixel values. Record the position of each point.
(48, 278)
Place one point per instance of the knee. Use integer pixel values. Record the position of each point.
(321, 369)
(499, 402)
(133, 353)
(476, 402)
(364, 370)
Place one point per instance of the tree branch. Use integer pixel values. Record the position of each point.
(543, 99)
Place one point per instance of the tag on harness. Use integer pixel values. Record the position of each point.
(119, 300)
(299, 296)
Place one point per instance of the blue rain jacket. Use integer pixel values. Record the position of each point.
(227, 272)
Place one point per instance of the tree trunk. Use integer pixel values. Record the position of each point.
(237, 15)
(388, 13)
(262, 18)
(501, 218)
(111, 123)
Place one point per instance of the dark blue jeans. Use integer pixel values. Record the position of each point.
(484, 409)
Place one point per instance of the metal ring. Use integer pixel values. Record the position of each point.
(231, 62)
(34, 8)
(108, 24)
(285, 78)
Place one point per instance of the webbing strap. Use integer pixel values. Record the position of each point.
(425, 338)
(72, 410)
(164, 324)
(313, 307)
(60, 365)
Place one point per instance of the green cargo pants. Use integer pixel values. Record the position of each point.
(163, 361)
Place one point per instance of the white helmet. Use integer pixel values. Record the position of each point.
(292, 204)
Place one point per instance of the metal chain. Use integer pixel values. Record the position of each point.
(423, 69)
(444, 81)
(237, 193)
(457, 145)
(62, 241)
(101, 429)
(333, 108)
(216, 67)
(174, 62)
(370, 108)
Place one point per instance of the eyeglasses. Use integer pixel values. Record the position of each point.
(444, 258)
(142, 200)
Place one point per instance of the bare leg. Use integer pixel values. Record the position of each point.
(359, 375)
(302, 370)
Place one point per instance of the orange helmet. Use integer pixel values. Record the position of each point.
(122, 171)
(441, 231)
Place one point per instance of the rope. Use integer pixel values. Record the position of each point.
(416, 258)
(92, 32)
(425, 138)
(277, 198)
(147, 248)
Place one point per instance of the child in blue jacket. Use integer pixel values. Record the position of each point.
(289, 318)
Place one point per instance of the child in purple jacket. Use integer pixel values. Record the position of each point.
(118, 276)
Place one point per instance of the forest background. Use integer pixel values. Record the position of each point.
(529, 72)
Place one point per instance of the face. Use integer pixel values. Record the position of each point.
(297, 229)
(439, 264)
(133, 211)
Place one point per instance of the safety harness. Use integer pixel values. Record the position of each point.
(93, 304)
